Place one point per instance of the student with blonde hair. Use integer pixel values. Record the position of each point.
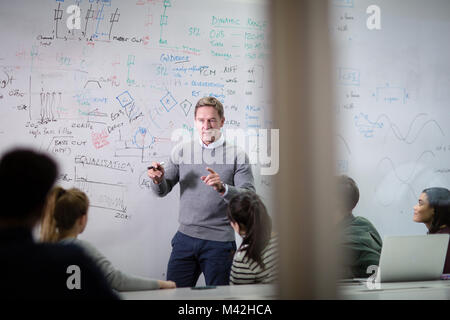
(65, 217)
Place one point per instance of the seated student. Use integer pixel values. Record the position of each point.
(65, 217)
(361, 243)
(255, 261)
(31, 270)
(433, 210)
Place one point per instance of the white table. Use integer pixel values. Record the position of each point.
(417, 290)
(235, 292)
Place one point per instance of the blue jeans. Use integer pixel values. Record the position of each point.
(192, 256)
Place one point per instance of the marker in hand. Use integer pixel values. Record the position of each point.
(156, 172)
(152, 167)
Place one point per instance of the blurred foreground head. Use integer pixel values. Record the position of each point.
(26, 176)
(348, 194)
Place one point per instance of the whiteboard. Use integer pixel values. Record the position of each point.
(392, 105)
(103, 97)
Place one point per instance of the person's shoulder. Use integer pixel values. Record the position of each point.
(88, 248)
(74, 256)
(57, 257)
(83, 243)
(49, 267)
(362, 221)
(272, 242)
(445, 230)
(63, 252)
(365, 224)
(62, 248)
(240, 255)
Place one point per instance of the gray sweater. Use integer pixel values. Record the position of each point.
(202, 212)
(117, 279)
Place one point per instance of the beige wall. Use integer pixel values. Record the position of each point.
(302, 106)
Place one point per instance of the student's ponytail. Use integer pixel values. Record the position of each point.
(49, 231)
(63, 209)
(249, 212)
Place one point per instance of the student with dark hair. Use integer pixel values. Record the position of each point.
(65, 217)
(361, 242)
(256, 259)
(433, 210)
(33, 270)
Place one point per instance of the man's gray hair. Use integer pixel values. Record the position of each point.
(210, 102)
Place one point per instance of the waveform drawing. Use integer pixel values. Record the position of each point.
(407, 138)
(125, 99)
(348, 76)
(368, 127)
(186, 106)
(95, 83)
(401, 178)
(414, 166)
(391, 191)
(168, 101)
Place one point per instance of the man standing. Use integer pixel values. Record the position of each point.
(210, 172)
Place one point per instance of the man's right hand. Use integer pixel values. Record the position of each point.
(157, 173)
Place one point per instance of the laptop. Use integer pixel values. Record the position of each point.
(412, 258)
